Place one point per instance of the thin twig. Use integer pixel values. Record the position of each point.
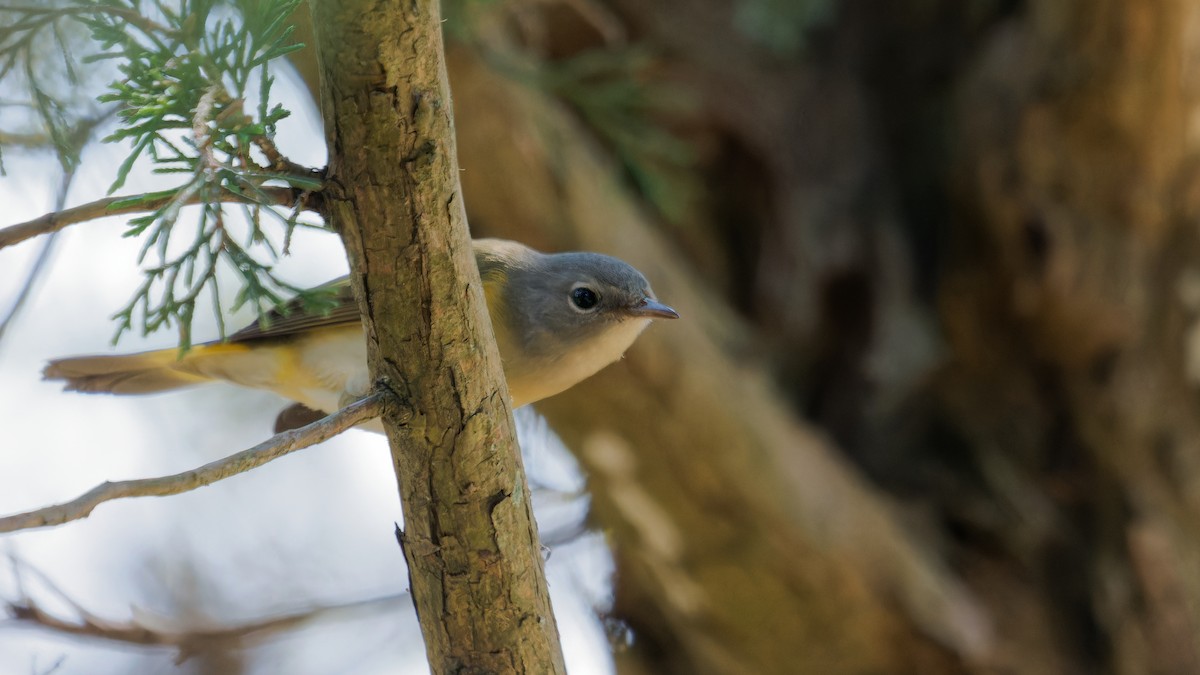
(189, 641)
(135, 18)
(276, 160)
(193, 641)
(35, 273)
(43, 256)
(53, 666)
(76, 139)
(30, 140)
(273, 448)
(58, 220)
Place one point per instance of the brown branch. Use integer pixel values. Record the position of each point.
(30, 140)
(273, 448)
(188, 641)
(101, 208)
(276, 159)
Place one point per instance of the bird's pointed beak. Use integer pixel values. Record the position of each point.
(653, 309)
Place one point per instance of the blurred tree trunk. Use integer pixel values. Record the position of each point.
(1070, 303)
(743, 543)
(958, 240)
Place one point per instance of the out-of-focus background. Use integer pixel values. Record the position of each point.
(932, 407)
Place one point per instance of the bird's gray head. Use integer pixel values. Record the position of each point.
(564, 301)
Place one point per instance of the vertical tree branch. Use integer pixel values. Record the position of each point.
(475, 563)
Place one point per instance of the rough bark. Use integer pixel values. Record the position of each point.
(392, 191)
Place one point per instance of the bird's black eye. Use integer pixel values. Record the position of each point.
(584, 298)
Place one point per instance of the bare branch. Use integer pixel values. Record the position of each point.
(192, 641)
(273, 448)
(135, 18)
(116, 206)
(145, 630)
(30, 140)
(277, 161)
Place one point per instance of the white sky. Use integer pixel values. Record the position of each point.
(314, 527)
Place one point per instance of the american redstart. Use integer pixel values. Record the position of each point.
(558, 319)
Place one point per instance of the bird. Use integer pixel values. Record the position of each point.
(558, 319)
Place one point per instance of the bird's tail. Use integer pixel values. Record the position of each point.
(142, 373)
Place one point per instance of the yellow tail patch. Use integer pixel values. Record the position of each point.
(141, 373)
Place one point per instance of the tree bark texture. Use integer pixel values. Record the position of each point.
(473, 555)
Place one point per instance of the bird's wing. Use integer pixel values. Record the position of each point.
(293, 318)
(493, 256)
